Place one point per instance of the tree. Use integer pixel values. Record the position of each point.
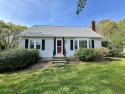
(80, 5)
(9, 34)
(121, 22)
(117, 41)
(118, 38)
(3, 32)
(106, 27)
(115, 34)
(101, 23)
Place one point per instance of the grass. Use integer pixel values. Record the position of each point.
(82, 78)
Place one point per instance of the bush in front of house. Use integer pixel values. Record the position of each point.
(86, 54)
(102, 52)
(17, 59)
(115, 49)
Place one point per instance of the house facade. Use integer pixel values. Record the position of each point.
(53, 41)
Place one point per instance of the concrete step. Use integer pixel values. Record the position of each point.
(59, 61)
(59, 57)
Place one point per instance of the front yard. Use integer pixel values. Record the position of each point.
(82, 78)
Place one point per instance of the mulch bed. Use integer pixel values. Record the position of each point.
(107, 59)
(44, 64)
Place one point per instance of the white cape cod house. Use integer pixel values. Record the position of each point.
(59, 40)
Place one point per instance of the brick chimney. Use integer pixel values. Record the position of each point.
(92, 25)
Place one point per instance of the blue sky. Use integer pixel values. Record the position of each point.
(59, 12)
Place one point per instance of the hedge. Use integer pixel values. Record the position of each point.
(85, 54)
(102, 52)
(17, 59)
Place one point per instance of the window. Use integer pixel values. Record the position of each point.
(82, 44)
(75, 44)
(89, 44)
(38, 43)
(35, 44)
(32, 44)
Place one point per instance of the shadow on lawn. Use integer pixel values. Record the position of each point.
(104, 60)
(26, 68)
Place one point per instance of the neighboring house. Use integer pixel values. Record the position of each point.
(59, 40)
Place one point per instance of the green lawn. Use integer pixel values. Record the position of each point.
(82, 78)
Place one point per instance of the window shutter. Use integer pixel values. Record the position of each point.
(71, 44)
(63, 46)
(26, 43)
(54, 53)
(43, 44)
(93, 44)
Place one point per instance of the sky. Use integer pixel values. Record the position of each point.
(59, 12)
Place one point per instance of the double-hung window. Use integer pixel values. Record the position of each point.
(82, 44)
(32, 44)
(75, 44)
(38, 44)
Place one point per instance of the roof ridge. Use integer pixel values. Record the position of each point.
(60, 31)
(60, 26)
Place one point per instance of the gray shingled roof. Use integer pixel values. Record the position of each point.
(59, 31)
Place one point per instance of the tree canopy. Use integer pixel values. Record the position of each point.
(9, 34)
(113, 31)
(105, 27)
(121, 22)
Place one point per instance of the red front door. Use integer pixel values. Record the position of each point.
(59, 46)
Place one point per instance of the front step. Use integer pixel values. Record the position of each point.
(59, 59)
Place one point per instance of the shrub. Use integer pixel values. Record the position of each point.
(86, 54)
(72, 58)
(105, 43)
(17, 59)
(102, 52)
(115, 50)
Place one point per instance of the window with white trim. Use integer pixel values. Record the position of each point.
(35, 44)
(32, 43)
(89, 44)
(75, 44)
(82, 43)
(38, 44)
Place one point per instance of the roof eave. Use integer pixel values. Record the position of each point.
(59, 36)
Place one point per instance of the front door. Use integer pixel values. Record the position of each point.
(59, 46)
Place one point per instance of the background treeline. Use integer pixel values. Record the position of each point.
(9, 34)
(114, 34)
